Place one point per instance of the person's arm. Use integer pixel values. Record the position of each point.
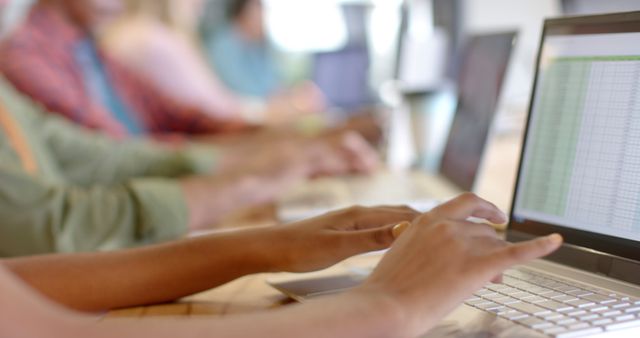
(42, 215)
(402, 298)
(23, 313)
(168, 59)
(164, 115)
(167, 272)
(87, 158)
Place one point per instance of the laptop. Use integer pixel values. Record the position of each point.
(578, 176)
(481, 73)
(480, 78)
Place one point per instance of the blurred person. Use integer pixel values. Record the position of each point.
(66, 189)
(53, 57)
(242, 56)
(156, 39)
(403, 297)
(240, 51)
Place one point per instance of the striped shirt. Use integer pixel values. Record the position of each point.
(39, 59)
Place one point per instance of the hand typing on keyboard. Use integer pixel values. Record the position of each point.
(442, 258)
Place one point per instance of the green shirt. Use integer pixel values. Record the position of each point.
(90, 192)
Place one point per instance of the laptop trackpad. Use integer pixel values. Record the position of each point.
(301, 289)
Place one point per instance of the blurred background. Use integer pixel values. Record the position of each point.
(400, 58)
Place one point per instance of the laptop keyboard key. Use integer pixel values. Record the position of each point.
(555, 306)
(580, 303)
(566, 321)
(554, 331)
(577, 313)
(529, 308)
(534, 299)
(620, 305)
(477, 301)
(579, 333)
(579, 292)
(533, 321)
(489, 306)
(598, 309)
(624, 318)
(611, 313)
(589, 317)
(601, 322)
(516, 315)
(633, 309)
(598, 298)
(564, 298)
(623, 325)
(552, 316)
(579, 326)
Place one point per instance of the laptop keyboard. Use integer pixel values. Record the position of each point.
(555, 306)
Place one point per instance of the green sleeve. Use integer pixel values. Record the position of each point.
(87, 158)
(41, 217)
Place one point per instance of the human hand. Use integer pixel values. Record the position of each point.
(342, 153)
(442, 259)
(298, 101)
(322, 241)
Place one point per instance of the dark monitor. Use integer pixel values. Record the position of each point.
(579, 170)
(481, 74)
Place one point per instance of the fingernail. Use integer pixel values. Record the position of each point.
(505, 218)
(555, 239)
(399, 228)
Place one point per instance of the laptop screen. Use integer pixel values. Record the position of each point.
(480, 77)
(580, 168)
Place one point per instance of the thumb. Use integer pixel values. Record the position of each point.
(515, 254)
(371, 239)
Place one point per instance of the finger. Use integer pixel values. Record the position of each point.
(519, 253)
(376, 217)
(399, 229)
(479, 230)
(404, 208)
(469, 205)
(369, 240)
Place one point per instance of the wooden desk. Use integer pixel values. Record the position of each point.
(245, 295)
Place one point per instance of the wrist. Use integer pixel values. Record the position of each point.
(408, 317)
(392, 317)
(273, 250)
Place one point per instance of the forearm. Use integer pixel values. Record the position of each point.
(147, 275)
(209, 199)
(349, 315)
